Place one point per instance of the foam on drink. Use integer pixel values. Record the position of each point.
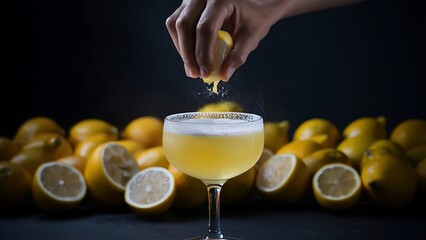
(208, 124)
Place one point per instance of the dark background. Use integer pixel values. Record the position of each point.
(114, 60)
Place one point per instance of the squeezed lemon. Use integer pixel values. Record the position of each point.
(221, 50)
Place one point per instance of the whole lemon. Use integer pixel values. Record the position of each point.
(318, 126)
(147, 131)
(300, 148)
(64, 149)
(35, 126)
(410, 133)
(380, 148)
(15, 184)
(276, 134)
(389, 181)
(355, 147)
(152, 157)
(36, 153)
(371, 126)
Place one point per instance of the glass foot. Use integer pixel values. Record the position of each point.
(207, 238)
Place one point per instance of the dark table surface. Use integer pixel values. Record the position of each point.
(254, 218)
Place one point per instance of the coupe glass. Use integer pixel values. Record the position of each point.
(213, 147)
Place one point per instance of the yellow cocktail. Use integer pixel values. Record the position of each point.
(213, 157)
(213, 147)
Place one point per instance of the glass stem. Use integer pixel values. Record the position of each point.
(214, 211)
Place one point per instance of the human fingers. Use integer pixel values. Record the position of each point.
(171, 26)
(185, 28)
(244, 44)
(211, 20)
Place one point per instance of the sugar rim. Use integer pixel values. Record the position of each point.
(178, 123)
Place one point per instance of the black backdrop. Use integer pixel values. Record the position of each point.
(114, 60)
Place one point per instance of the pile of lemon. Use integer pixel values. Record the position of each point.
(92, 161)
(335, 168)
(97, 163)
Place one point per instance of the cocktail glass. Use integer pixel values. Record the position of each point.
(213, 147)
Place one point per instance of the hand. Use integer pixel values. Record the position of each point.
(193, 29)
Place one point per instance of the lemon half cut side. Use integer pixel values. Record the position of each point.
(58, 187)
(151, 191)
(337, 186)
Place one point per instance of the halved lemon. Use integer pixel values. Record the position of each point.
(222, 48)
(283, 178)
(58, 187)
(151, 191)
(337, 186)
(108, 169)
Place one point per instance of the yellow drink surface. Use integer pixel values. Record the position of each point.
(213, 158)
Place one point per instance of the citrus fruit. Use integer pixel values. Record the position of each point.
(147, 131)
(355, 148)
(35, 126)
(222, 106)
(190, 192)
(283, 178)
(389, 181)
(133, 146)
(15, 184)
(221, 50)
(85, 147)
(410, 133)
(375, 127)
(89, 127)
(300, 148)
(323, 157)
(416, 154)
(421, 176)
(151, 191)
(322, 139)
(336, 186)
(238, 188)
(152, 157)
(382, 147)
(36, 153)
(318, 126)
(8, 149)
(77, 162)
(108, 169)
(266, 154)
(276, 134)
(58, 187)
(389, 146)
(64, 148)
